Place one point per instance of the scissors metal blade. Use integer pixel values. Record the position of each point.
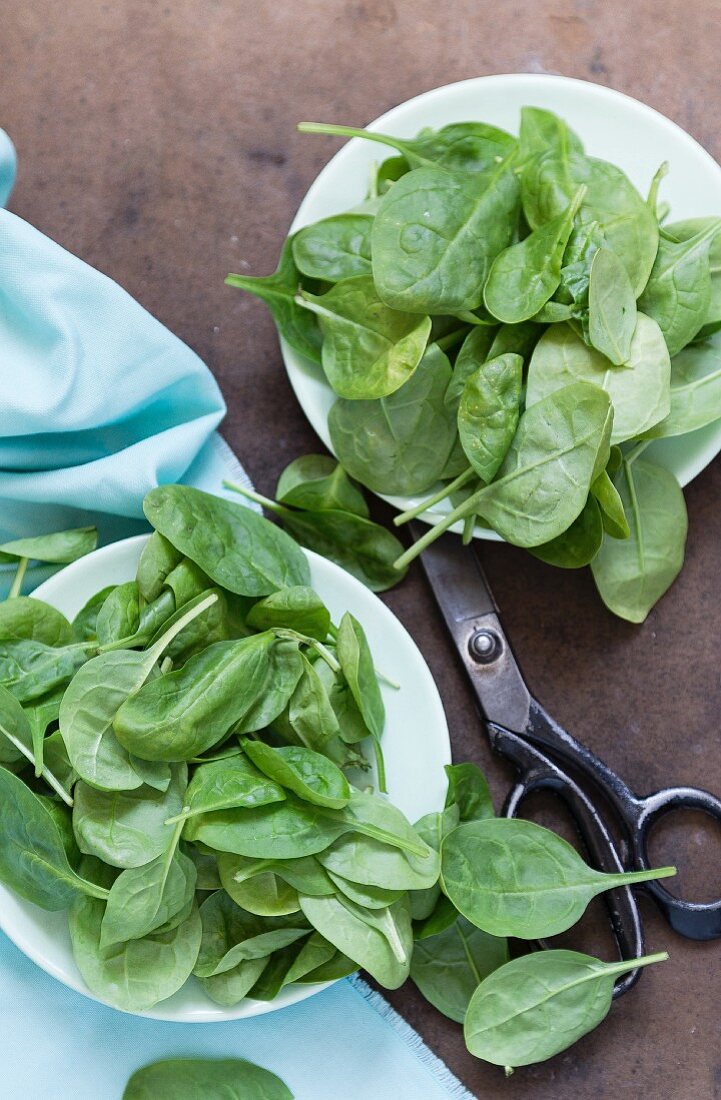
(466, 602)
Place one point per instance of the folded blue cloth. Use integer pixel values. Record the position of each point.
(99, 404)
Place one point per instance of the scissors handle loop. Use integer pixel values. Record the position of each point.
(694, 919)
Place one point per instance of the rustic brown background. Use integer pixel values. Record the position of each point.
(158, 143)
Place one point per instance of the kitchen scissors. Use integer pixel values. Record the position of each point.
(547, 757)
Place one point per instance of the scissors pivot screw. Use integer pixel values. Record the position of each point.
(484, 646)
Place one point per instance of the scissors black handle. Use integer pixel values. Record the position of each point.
(693, 919)
(539, 773)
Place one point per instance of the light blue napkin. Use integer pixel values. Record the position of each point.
(100, 403)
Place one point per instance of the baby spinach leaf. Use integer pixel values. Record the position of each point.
(612, 203)
(92, 702)
(632, 575)
(143, 899)
(33, 859)
(58, 548)
(282, 830)
(695, 391)
(364, 549)
(85, 622)
(369, 350)
(157, 560)
(370, 897)
(242, 684)
(542, 131)
(474, 351)
(25, 617)
(230, 987)
(379, 940)
(310, 712)
(373, 863)
(127, 828)
(468, 790)
(298, 608)
(460, 146)
(31, 669)
(18, 742)
(684, 231)
(231, 935)
(534, 884)
(278, 291)
(449, 967)
(613, 515)
(214, 1079)
(538, 1005)
(304, 874)
(227, 784)
(560, 446)
(436, 235)
(611, 307)
(639, 391)
(678, 292)
(525, 275)
(578, 544)
(308, 774)
(400, 443)
(266, 895)
(136, 975)
(488, 413)
(357, 664)
(237, 548)
(335, 248)
(119, 617)
(317, 483)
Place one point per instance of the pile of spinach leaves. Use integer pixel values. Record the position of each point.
(507, 324)
(192, 768)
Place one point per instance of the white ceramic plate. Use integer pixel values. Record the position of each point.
(416, 747)
(611, 125)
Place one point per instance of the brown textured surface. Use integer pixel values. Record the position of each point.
(158, 143)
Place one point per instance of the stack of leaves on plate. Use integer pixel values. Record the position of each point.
(193, 769)
(507, 324)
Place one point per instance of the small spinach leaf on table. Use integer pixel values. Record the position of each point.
(369, 350)
(213, 1079)
(400, 443)
(631, 575)
(317, 483)
(534, 883)
(449, 967)
(298, 327)
(437, 233)
(538, 1005)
